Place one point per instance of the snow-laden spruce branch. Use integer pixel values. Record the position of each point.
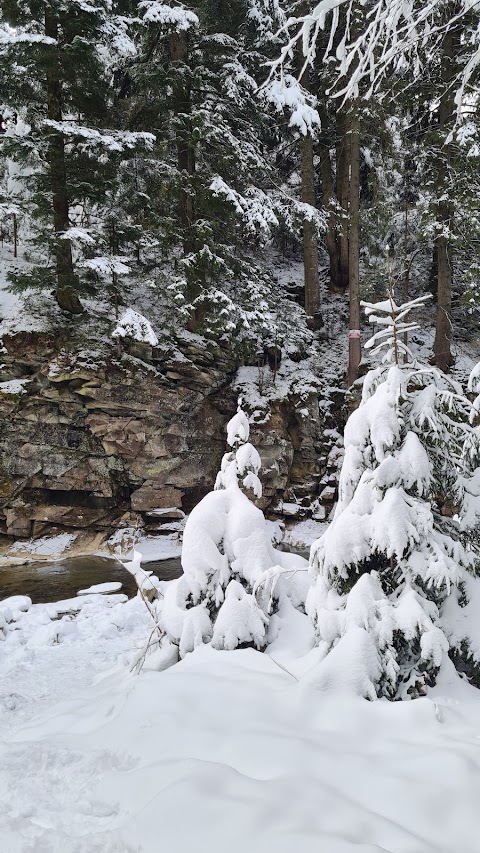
(150, 594)
(90, 137)
(391, 317)
(175, 18)
(394, 33)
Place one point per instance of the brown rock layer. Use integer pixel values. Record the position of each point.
(89, 445)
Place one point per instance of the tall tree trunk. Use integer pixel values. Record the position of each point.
(15, 235)
(406, 268)
(354, 344)
(310, 246)
(443, 332)
(185, 149)
(329, 202)
(66, 280)
(343, 147)
(307, 193)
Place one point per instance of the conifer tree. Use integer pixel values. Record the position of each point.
(226, 550)
(195, 86)
(58, 61)
(395, 552)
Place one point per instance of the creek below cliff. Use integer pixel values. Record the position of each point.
(46, 582)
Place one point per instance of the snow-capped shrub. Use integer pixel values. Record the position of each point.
(226, 550)
(397, 548)
(136, 326)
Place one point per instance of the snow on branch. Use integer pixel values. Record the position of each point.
(391, 316)
(175, 17)
(105, 266)
(116, 140)
(86, 6)
(9, 36)
(474, 388)
(117, 44)
(238, 429)
(243, 461)
(474, 379)
(393, 33)
(254, 206)
(78, 235)
(9, 209)
(266, 16)
(287, 94)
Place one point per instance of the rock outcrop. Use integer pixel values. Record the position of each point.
(100, 443)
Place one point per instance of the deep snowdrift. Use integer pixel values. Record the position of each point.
(224, 751)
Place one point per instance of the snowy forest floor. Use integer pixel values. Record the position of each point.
(234, 750)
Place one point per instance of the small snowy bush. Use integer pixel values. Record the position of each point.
(136, 326)
(399, 545)
(226, 551)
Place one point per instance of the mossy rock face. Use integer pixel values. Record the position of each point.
(140, 350)
(7, 486)
(109, 448)
(10, 397)
(71, 375)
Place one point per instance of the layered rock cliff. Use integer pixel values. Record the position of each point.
(100, 441)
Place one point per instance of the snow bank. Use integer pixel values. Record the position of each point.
(46, 546)
(49, 651)
(101, 588)
(228, 750)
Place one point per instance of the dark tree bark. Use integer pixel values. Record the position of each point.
(15, 235)
(343, 146)
(329, 203)
(444, 250)
(65, 291)
(443, 331)
(354, 344)
(307, 191)
(310, 246)
(335, 176)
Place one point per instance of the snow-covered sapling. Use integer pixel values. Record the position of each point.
(109, 268)
(226, 549)
(397, 548)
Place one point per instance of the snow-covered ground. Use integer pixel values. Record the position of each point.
(300, 536)
(52, 651)
(226, 750)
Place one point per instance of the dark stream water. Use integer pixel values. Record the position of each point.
(48, 582)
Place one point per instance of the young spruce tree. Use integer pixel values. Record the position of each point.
(226, 551)
(398, 553)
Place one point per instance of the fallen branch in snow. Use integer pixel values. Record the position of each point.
(145, 586)
(280, 666)
(274, 574)
(138, 662)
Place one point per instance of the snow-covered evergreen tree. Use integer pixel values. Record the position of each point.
(396, 549)
(213, 182)
(226, 550)
(58, 62)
